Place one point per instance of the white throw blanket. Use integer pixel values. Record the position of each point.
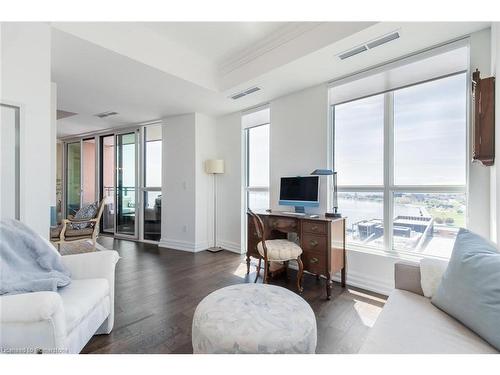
(431, 273)
(28, 262)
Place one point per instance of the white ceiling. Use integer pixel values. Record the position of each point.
(146, 71)
(214, 41)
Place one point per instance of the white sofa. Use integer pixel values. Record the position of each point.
(410, 324)
(63, 321)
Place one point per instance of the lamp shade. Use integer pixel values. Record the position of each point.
(214, 166)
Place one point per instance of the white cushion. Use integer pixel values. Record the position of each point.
(81, 297)
(280, 250)
(431, 273)
(252, 319)
(410, 324)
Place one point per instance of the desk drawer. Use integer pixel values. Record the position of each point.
(314, 242)
(283, 224)
(314, 227)
(314, 262)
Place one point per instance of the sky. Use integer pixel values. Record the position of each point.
(429, 136)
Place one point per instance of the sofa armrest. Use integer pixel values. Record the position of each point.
(23, 315)
(407, 277)
(96, 265)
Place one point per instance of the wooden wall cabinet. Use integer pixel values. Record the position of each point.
(483, 94)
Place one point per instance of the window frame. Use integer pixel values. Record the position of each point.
(248, 188)
(389, 188)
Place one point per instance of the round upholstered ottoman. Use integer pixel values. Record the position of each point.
(254, 318)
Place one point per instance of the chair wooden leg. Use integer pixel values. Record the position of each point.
(266, 271)
(300, 274)
(248, 264)
(258, 270)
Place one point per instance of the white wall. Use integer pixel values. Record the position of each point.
(479, 175)
(178, 182)
(298, 140)
(188, 140)
(26, 82)
(495, 170)
(53, 148)
(229, 142)
(205, 149)
(299, 144)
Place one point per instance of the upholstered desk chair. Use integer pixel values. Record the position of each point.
(275, 251)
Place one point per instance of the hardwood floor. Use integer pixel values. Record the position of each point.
(157, 291)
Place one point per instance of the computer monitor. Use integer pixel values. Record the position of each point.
(300, 192)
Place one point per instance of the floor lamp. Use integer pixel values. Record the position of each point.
(215, 167)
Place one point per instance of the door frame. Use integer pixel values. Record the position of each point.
(139, 177)
(138, 200)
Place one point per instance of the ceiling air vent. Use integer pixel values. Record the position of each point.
(383, 40)
(106, 114)
(369, 45)
(244, 93)
(352, 52)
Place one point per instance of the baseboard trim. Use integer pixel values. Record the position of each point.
(183, 245)
(362, 281)
(230, 246)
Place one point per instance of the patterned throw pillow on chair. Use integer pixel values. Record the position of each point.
(85, 213)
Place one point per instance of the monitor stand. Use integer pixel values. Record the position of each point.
(300, 209)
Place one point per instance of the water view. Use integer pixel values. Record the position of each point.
(424, 223)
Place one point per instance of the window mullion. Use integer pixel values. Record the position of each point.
(388, 169)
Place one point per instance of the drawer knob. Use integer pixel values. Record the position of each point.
(314, 227)
(275, 224)
(313, 243)
(314, 260)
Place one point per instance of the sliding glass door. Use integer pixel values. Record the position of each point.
(107, 170)
(88, 171)
(73, 177)
(126, 182)
(126, 168)
(151, 223)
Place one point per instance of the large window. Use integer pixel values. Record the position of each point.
(401, 159)
(256, 131)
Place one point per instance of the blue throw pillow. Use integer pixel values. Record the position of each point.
(86, 212)
(470, 288)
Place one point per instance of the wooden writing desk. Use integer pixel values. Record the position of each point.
(322, 241)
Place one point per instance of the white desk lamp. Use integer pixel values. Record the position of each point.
(214, 167)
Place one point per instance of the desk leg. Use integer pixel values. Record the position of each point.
(328, 286)
(342, 277)
(248, 264)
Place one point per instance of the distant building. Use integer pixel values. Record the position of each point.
(420, 224)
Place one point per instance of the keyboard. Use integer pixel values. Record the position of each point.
(294, 213)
